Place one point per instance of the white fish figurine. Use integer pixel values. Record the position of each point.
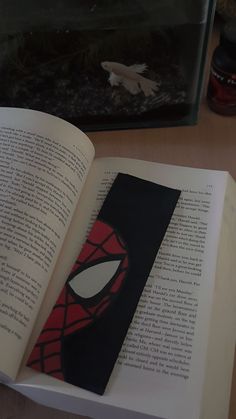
(130, 78)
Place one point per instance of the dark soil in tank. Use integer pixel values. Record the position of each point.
(60, 73)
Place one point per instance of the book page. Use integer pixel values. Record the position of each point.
(217, 388)
(164, 354)
(43, 165)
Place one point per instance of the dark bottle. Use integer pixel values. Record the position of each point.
(221, 94)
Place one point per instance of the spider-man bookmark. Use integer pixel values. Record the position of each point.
(84, 333)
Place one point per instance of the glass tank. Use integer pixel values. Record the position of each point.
(105, 64)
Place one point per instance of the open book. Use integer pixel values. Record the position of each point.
(177, 358)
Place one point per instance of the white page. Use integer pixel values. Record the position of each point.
(133, 384)
(43, 165)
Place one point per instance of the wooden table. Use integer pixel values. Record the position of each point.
(209, 144)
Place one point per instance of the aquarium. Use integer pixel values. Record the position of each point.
(105, 64)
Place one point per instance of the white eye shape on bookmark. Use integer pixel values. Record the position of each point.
(90, 281)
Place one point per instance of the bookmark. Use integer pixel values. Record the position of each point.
(83, 335)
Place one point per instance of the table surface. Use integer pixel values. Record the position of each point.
(209, 144)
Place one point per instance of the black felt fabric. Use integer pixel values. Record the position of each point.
(140, 211)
